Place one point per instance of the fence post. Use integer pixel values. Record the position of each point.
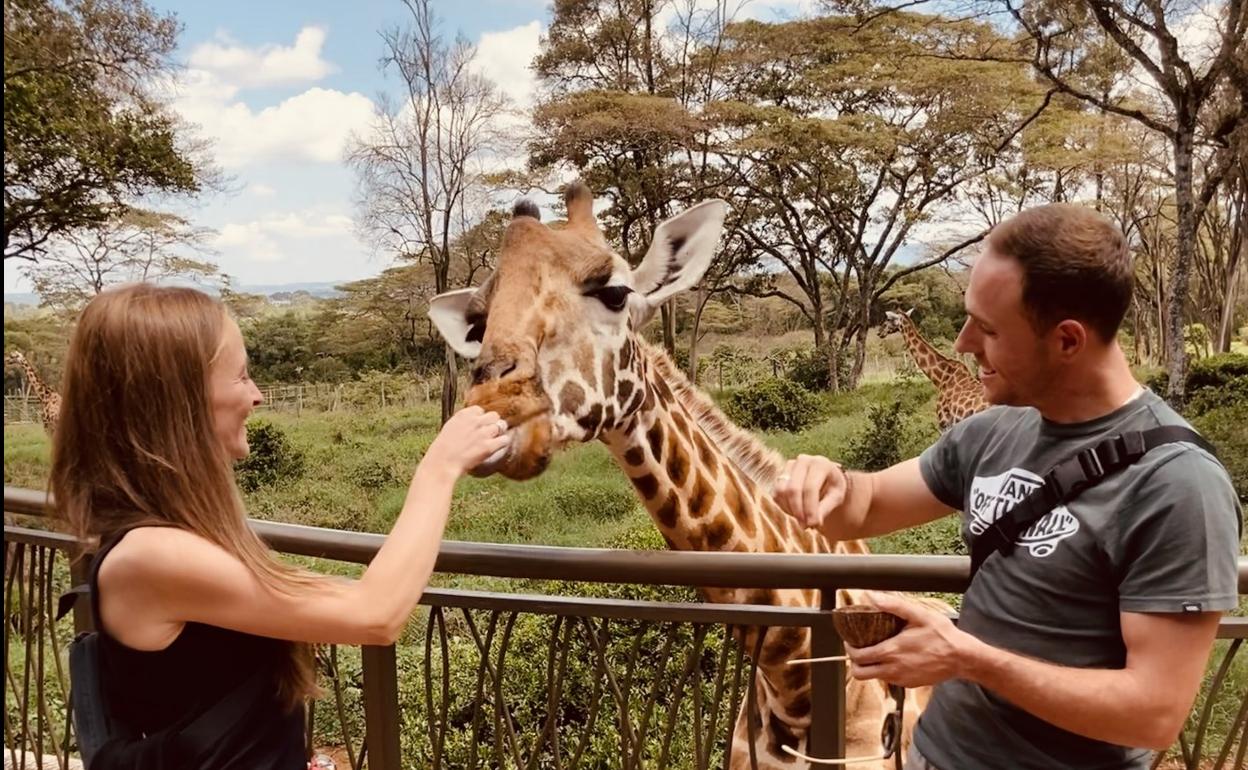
(827, 684)
(381, 707)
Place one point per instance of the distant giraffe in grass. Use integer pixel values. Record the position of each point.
(49, 399)
(961, 392)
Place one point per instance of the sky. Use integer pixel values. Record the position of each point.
(279, 86)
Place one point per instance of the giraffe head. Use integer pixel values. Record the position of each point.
(551, 332)
(15, 358)
(894, 322)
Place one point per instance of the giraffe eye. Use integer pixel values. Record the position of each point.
(613, 297)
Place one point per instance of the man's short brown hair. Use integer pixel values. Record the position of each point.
(1075, 262)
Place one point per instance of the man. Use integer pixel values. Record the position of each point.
(1084, 647)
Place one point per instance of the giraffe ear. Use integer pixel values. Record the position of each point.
(449, 313)
(909, 312)
(680, 252)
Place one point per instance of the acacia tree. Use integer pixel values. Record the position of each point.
(84, 134)
(417, 167)
(136, 245)
(842, 152)
(1198, 105)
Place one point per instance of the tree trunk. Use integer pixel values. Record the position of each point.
(450, 385)
(1186, 252)
(693, 336)
(1227, 327)
(668, 313)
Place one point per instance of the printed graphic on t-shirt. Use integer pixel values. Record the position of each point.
(992, 496)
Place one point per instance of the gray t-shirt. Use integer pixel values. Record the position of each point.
(1161, 535)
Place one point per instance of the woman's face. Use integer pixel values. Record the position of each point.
(233, 395)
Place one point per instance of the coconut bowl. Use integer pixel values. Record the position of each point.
(862, 625)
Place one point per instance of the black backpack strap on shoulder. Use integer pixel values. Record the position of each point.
(1072, 476)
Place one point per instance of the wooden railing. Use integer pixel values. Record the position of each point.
(538, 676)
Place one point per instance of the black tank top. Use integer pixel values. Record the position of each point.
(153, 693)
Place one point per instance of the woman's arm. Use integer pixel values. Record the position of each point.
(159, 578)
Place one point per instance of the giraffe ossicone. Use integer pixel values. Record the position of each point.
(554, 338)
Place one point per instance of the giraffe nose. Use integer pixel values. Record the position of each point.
(493, 368)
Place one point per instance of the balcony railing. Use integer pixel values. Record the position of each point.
(537, 676)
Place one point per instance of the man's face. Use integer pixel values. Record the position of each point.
(1016, 365)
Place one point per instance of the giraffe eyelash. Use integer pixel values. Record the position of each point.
(614, 298)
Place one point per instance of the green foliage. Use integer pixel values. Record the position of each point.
(809, 368)
(773, 404)
(272, 457)
(1212, 382)
(82, 131)
(890, 435)
(1225, 427)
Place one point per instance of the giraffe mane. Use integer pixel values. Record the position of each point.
(759, 462)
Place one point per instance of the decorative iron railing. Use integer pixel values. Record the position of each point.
(537, 676)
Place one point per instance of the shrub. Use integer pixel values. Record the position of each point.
(373, 474)
(1224, 426)
(272, 457)
(1211, 382)
(773, 404)
(892, 434)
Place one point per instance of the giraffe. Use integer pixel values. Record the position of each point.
(961, 392)
(49, 399)
(554, 334)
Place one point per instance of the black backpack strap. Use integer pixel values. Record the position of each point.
(1069, 478)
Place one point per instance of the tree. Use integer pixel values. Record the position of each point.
(135, 245)
(419, 165)
(1198, 107)
(840, 153)
(83, 133)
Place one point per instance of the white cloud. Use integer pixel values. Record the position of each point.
(505, 57)
(261, 190)
(311, 126)
(268, 65)
(275, 237)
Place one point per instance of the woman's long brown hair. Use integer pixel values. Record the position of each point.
(136, 444)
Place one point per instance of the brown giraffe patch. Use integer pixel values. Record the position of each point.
(655, 437)
(634, 456)
(799, 704)
(571, 396)
(780, 735)
(647, 485)
(623, 389)
(704, 452)
(669, 512)
(608, 372)
(626, 355)
(592, 420)
(677, 462)
(682, 425)
(781, 645)
(718, 532)
(700, 500)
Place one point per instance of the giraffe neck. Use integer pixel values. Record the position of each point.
(42, 391)
(940, 370)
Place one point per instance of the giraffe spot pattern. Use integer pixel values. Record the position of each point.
(647, 485)
(571, 397)
(669, 512)
(634, 456)
(655, 437)
(718, 532)
(677, 462)
(700, 500)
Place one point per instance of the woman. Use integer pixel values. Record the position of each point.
(192, 607)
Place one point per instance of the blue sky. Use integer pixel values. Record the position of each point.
(278, 86)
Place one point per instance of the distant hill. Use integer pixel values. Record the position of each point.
(280, 292)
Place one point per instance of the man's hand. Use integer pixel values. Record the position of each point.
(929, 650)
(810, 488)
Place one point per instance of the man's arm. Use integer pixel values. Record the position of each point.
(849, 505)
(1144, 704)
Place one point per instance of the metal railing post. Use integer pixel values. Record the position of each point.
(381, 707)
(827, 684)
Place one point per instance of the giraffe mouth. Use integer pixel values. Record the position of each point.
(528, 427)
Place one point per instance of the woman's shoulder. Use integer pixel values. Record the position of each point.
(155, 553)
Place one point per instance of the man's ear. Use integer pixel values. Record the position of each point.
(679, 253)
(449, 313)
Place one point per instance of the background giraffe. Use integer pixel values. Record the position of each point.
(49, 399)
(961, 392)
(553, 332)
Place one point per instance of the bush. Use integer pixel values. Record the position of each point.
(773, 404)
(1224, 426)
(599, 499)
(892, 434)
(1212, 382)
(272, 457)
(373, 474)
